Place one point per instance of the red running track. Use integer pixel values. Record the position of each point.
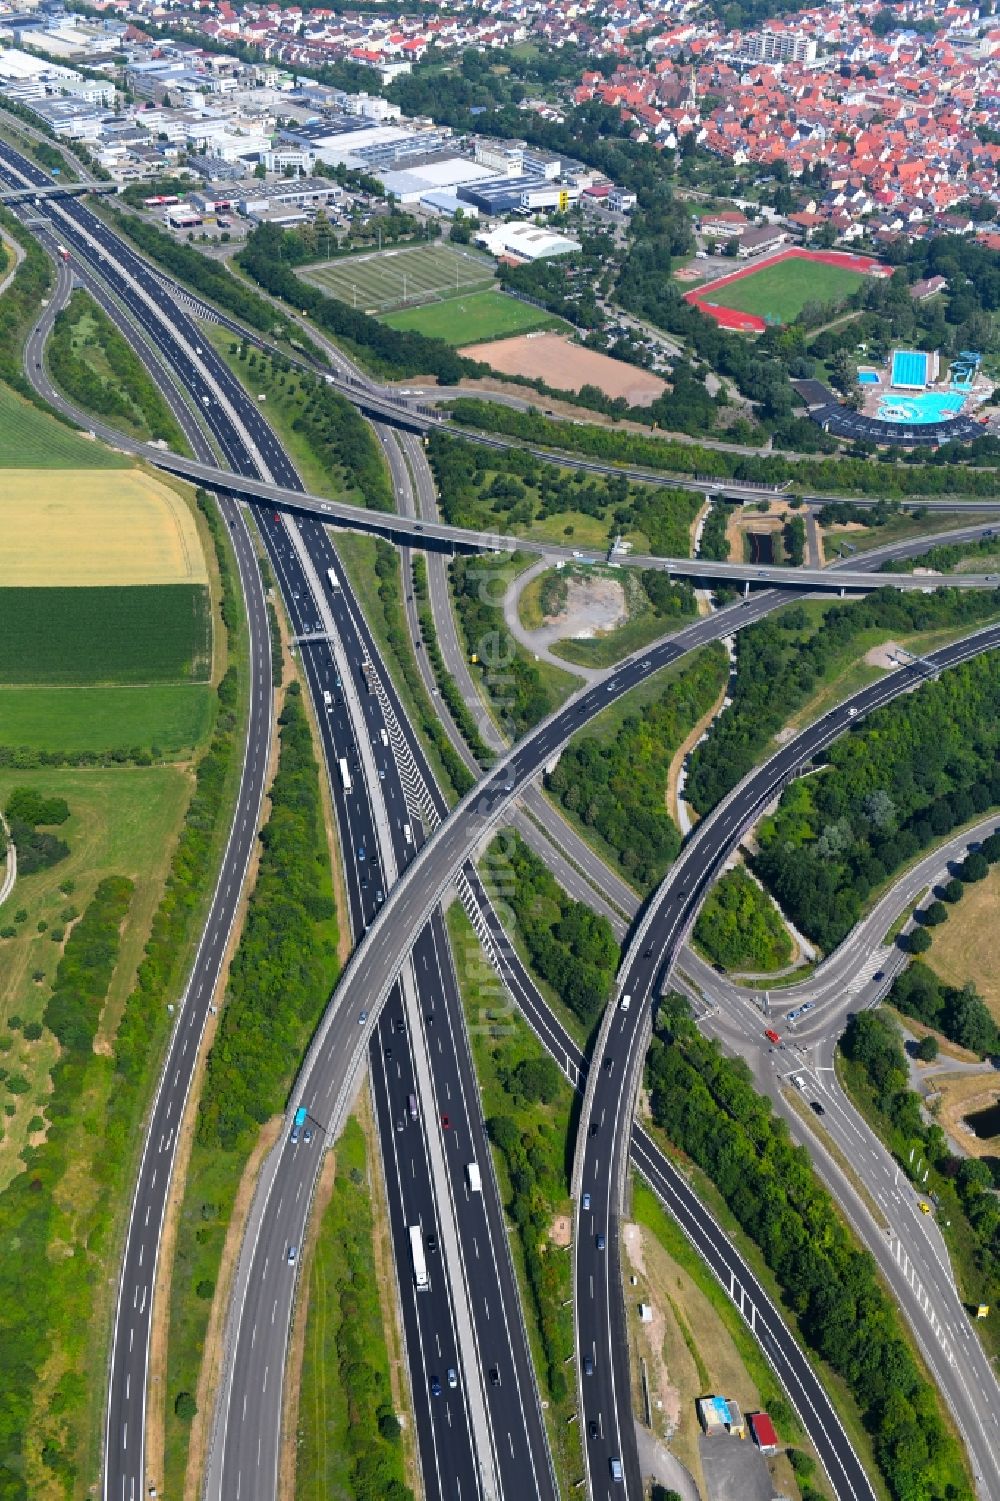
(749, 323)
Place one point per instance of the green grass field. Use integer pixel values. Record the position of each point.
(137, 634)
(384, 279)
(30, 439)
(781, 291)
(170, 719)
(472, 319)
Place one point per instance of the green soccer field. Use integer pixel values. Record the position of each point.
(385, 279)
(30, 439)
(778, 293)
(472, 319)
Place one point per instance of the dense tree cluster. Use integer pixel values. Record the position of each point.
(909, 774)
(286, 963)
(39, 1289)
(739, 927)
(25, 810)
(387, 571)
(618, 788)
(570, 946)
(707, 1105)
(781, 663)
(480, 490)
(888, 476)
(334, 429)
(959, 1013)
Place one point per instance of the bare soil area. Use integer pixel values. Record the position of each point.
(566, 366)
(593, 607)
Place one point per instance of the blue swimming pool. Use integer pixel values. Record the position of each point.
(868, 378)
(909, 368)
(932, 406)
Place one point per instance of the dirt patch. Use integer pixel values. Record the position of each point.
(561, 1230)
(594, 606)
(566, 366)
(883, 655)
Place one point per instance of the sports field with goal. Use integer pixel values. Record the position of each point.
(413, 274)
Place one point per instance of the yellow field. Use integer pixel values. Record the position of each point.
(95, 526)
(964, 948)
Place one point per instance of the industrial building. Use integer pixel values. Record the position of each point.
(721, 1415)
(526, 242)
(502, 195)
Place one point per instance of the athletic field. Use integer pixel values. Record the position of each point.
(756, 296)
(473, 319)
(396, 278)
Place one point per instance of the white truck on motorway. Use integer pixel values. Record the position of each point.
(345, 775)
(473, 1177)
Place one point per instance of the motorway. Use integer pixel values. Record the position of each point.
(606, 1118)
(514, 1409)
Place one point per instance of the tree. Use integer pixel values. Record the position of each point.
(933, 915)
(975, 867)
(927, 1048)
(918, 942)
(185, 1406)
(952, 891)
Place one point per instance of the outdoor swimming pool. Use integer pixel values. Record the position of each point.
(931, 406)
(868, 378)
(909, 368)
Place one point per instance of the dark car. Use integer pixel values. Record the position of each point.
(588, 1365)
(594, 1128)
(494, 1375)
(592, 1428)
(435, 1387)
(817, 1107)
(432, 1243)
(601, 1242)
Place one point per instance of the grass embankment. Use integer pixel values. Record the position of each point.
(705, 1345)
(75, 1189)
(373, 568)
(447, 687)
(100, 372)
(532, 1154)
(279, 982)
(332, 447)
(519, 690)
(901, 526)
(349, 1437)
